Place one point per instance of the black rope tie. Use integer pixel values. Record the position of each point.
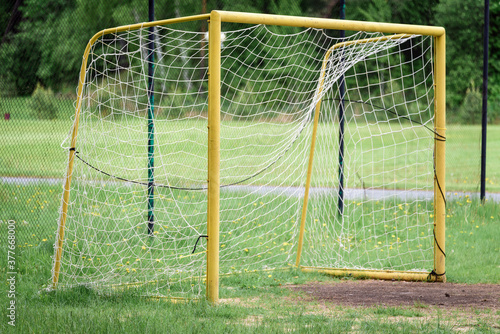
(437, 181)
(439, 187)
(196, 243)
(433, 272)
(437, 244)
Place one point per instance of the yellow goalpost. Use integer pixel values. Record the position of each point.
(213, 189)
(440, 106)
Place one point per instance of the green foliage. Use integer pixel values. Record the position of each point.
(47, 43)
(20, 57)
(470, 110)
(463, 21)
(377, 11)
(43, 103)
(394, 11)
(494, 64)
(285, 7)
(5, 14)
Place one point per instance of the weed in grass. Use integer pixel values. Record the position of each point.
(419, 305)
(403, 326)
(396, 311)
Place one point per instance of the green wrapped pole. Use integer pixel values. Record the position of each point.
(151, 130)
(340, 204)
(484, 120)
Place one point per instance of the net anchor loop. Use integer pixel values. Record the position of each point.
(434, 273)
(196, 243)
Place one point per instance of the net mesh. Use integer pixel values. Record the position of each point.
(271, 82)
(385, 219)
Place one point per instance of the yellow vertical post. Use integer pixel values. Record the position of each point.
(214, 51)
(311, 158)
(308, 184)
(62, 219)
(69, 171)
(439, 159)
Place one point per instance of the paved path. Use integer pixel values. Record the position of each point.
(350, 194)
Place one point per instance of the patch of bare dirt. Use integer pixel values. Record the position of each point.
(396, 293)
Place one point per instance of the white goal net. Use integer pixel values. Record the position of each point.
(271, 82)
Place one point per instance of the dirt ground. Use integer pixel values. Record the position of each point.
(396, 293)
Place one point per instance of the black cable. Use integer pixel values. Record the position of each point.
(132, 181)
(437, 243)
(433, 272)
(437, 180)
(442, 138)
(197, 240)
(196, 188)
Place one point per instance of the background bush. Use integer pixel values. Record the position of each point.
(43, 103)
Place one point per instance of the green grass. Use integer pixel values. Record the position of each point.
(471, 236)
(262, 310)
(32, 148)
(463, 157)
(18, 107)
(106, 233)
(252, 302)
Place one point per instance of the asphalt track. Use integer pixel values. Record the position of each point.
(350, 193)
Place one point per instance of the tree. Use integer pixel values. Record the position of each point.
(45, 44)
(10, 16)
(463, 21)
(494, 63)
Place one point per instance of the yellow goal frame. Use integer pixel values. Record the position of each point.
(215, 19)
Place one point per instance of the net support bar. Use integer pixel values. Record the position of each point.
(295, 21)
(214, 53)
(377, 274)
(151, 130)
(340, 203)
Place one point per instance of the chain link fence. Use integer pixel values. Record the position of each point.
(36, 119)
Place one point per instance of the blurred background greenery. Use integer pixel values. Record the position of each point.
(43, 41)
(42, 44)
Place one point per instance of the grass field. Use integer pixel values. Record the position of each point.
(31, 148)
(106, 234)
(251, 301)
